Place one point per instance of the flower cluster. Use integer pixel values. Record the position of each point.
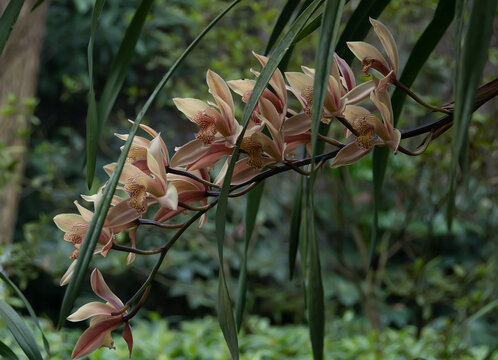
(151, 180)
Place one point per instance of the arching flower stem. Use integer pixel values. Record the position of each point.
(418, 99)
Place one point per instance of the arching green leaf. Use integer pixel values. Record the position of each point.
(7, 21)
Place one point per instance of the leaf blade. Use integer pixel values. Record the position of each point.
(6, 352)
(20, 331)
(7, 21)
(295, 226)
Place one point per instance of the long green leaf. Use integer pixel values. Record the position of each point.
(324, 57)
(252, 207)
(468, 76)
(28, 307)
(7, 21)
(225, 315)
(431, 36)
(282, 20)
(6, 352)
(92, 121)
(20, 331)
(114, 82)
(315, 294)
(93, 233)
(295, 225)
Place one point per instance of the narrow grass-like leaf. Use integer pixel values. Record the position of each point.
(431, 36)
(92, 121)
(252, 207)
(121, 62)
(7, 353)
(7, 21)
(324, 57)
(114, 82)
(20, 331)
(225, 316)
(468, 76)
(98, 219)
(295, 225)
(282, 20)
(36, 4)
(28, 307)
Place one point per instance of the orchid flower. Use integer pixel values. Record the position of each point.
(103, 322)
(341, 89)
(143, 188)
(370, 57)
(371, 130)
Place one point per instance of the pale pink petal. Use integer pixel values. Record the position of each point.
(277, 81)
(67, 275)
(170, 199)
(190, 107)
(189, 153)
(155, 160)
(359, 93)
(387, 40)
(299, 81)
(219, 88)
(308, 71)
(85, 213)
(127, 335)
(215, 153)
(346, 72)
(91, 309)
(349, 154)
(101, 289)
(225, 123)
(66, 221)
(383, 103)
(133, 237)
(394, 142)
(353, 112)
(120, 215)
(380, 128)
(296, 125)
(268, 110)
(365, 51)
(94, 337)
(241, 87)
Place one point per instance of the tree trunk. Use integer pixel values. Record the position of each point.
(19, 64)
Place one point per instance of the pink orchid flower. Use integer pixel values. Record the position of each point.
(103, 322)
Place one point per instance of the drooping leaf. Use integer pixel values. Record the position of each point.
(424, 46)
(252, 207)
(7, 353)
(92, 121)
(7, 21)
(469, 74)
(225, 316)
(36, 4)
(28, 307)
(295, 226)
(117, 73)
(283, 19)
(98, 219)
(20, 331)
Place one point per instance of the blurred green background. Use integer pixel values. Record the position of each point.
(432, 293)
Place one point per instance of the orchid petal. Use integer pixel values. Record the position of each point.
(218, 88)
(85, 213)
(394, 142)
(170, 199)
(365, 51)
(349, 154)
(120, 215)
(277, 81)
(128, 337)
(299, 81)
(94, 337)
(296, 124)
(359, 93)
(67, 275)
(189, 106)
(241, 87)
(346, 72)
(91, 309)
(66, 221)
(155, 160)
(387, 40)
(101, 289)
(189, 153)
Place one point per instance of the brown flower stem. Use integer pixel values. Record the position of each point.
(297, 169)
(192, 176)
(243, 192)
(418, 99)
(191, 207)
(159, 224)
(348, 125)
(128, 249)
(330, 140)
(139, 305)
